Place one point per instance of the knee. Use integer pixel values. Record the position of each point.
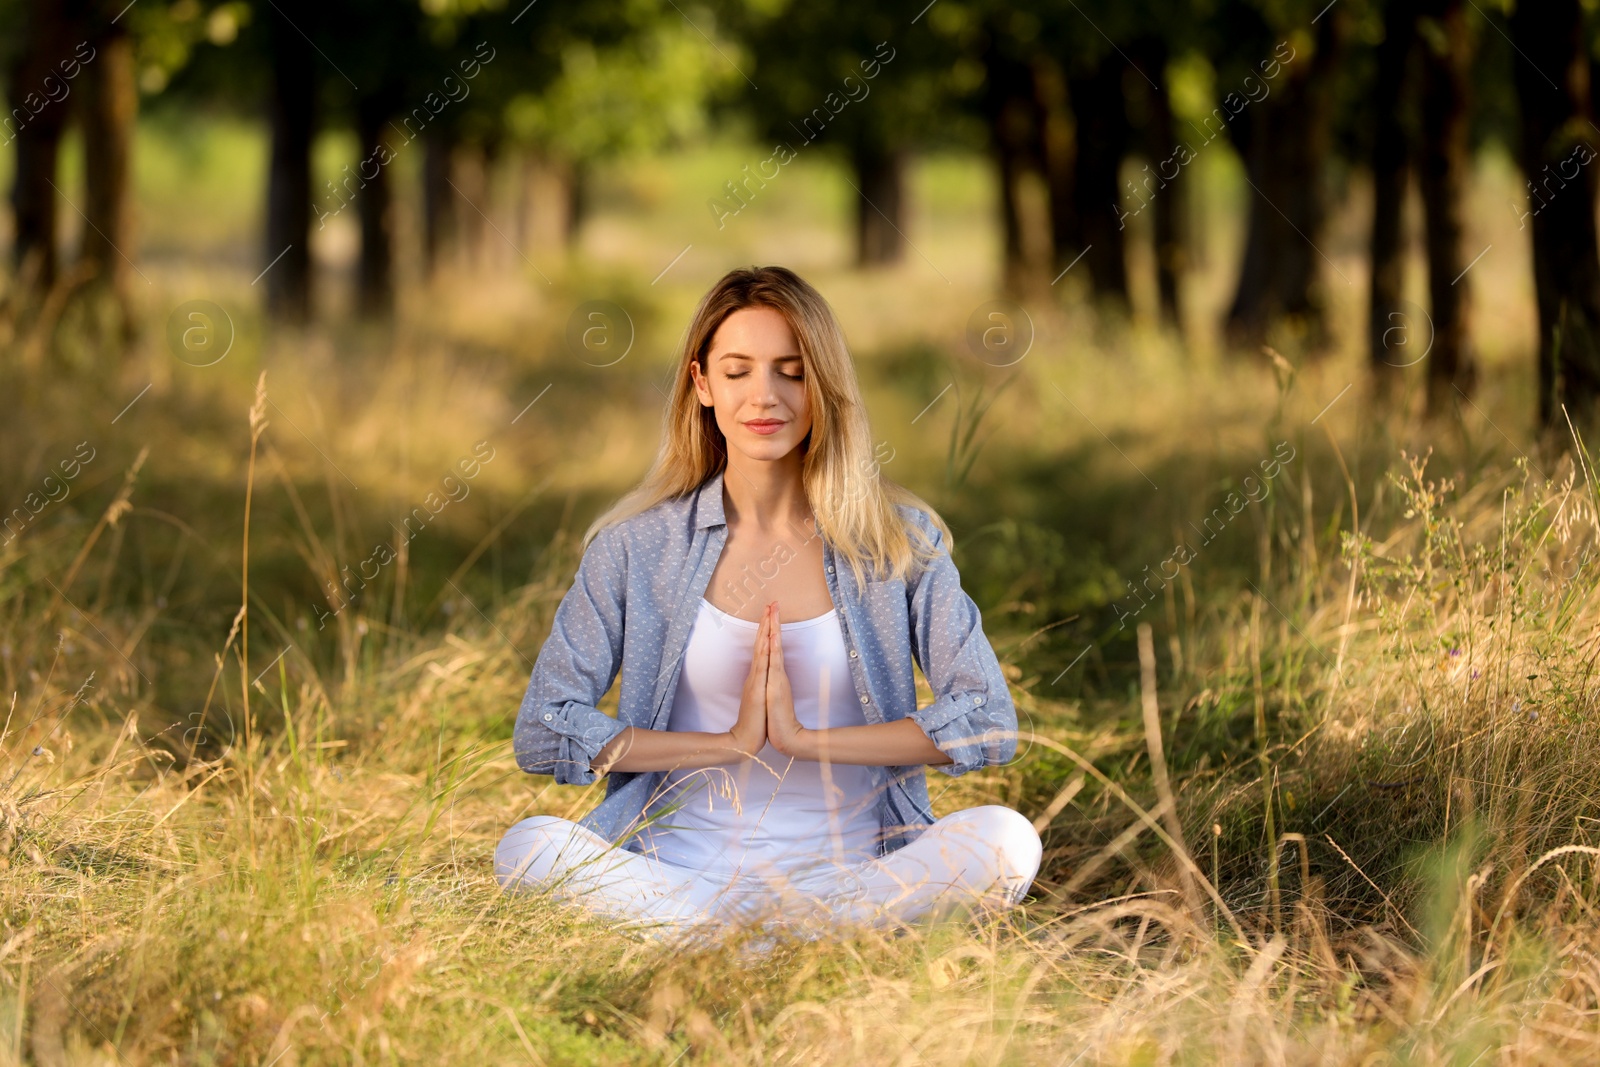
(526, 853)
(1011, 834)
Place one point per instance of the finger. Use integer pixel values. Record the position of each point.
(761, 637)
(774, 660)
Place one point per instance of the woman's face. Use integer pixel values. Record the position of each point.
(755, 384)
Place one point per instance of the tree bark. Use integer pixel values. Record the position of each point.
(1288, 143)
(1053, 118)
(1557, 154)
(1160, 183)
(1007, 105)
(880, 203)
(38, 83)
(578, 178)
(438, 199)
(1102, 141)
(111, 99)
(375, 208)
(1389, 331)
(1443, 171)
(287, 250)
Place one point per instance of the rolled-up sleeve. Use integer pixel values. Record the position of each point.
(559, 730)
(972, 719)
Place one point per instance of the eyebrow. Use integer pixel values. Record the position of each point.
(776, 359)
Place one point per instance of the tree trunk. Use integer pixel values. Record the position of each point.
(469, 185)
(1102, 140)
(1008, 109)
(1390, 333)
(1443, 171)
(1288, 148)
(37, 88)
(1556, 155)
(287, 251)
(438, 199)
(1160, 183)
(375, 207)
(578, 178)
(111, 99)
(880, 203)
(1053, 118)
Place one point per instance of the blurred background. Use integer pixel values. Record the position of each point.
(452, 222)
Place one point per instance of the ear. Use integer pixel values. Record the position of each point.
(701, 388)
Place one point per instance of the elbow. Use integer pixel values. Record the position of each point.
(538, 749)
(1006, 748)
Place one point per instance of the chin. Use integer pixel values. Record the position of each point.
(767, 449)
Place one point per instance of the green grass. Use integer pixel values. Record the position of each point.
(1406, 703)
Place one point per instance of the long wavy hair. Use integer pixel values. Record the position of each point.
(854, 503)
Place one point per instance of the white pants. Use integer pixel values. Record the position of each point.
(978, 858)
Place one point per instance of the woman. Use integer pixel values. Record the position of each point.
(764, 592)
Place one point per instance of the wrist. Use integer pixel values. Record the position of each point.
(807, 744)
(741, 745)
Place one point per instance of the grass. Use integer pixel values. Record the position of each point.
(1367, 690)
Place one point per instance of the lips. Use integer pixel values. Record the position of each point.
(764, 426)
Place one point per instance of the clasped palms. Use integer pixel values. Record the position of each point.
(766, 707)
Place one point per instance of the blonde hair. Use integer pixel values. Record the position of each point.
(855, 506)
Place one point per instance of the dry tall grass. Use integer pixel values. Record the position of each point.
(1336, 805)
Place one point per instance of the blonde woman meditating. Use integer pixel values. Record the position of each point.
(764, 593)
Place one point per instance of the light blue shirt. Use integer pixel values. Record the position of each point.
(632, 604)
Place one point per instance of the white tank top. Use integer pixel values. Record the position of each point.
(772, 813)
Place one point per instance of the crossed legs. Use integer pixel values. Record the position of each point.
(980, 857)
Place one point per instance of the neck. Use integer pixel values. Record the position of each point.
(767, 495)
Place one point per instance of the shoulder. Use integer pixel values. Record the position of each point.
(916, 518)
(652, 532)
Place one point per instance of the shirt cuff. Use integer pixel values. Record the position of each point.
(950, 723)
(584, 732)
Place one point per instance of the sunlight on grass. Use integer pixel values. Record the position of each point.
(1385, 657)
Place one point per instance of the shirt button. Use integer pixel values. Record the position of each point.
(547, 718)
(977, 700)
(865, 699)
(852, 653)
(830, 570)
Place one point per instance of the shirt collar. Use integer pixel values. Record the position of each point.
(708, 503)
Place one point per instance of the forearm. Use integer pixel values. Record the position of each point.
(901, 743)
(637, 749)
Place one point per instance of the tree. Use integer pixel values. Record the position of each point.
(291, 113)
(859, 81)
(1285, 140)
(1556, 149)
(1443, 170)
(43, 61)
(1390, 167)
(1100, 114)
(1157, 141)
(1018, 102)
(110, 105)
